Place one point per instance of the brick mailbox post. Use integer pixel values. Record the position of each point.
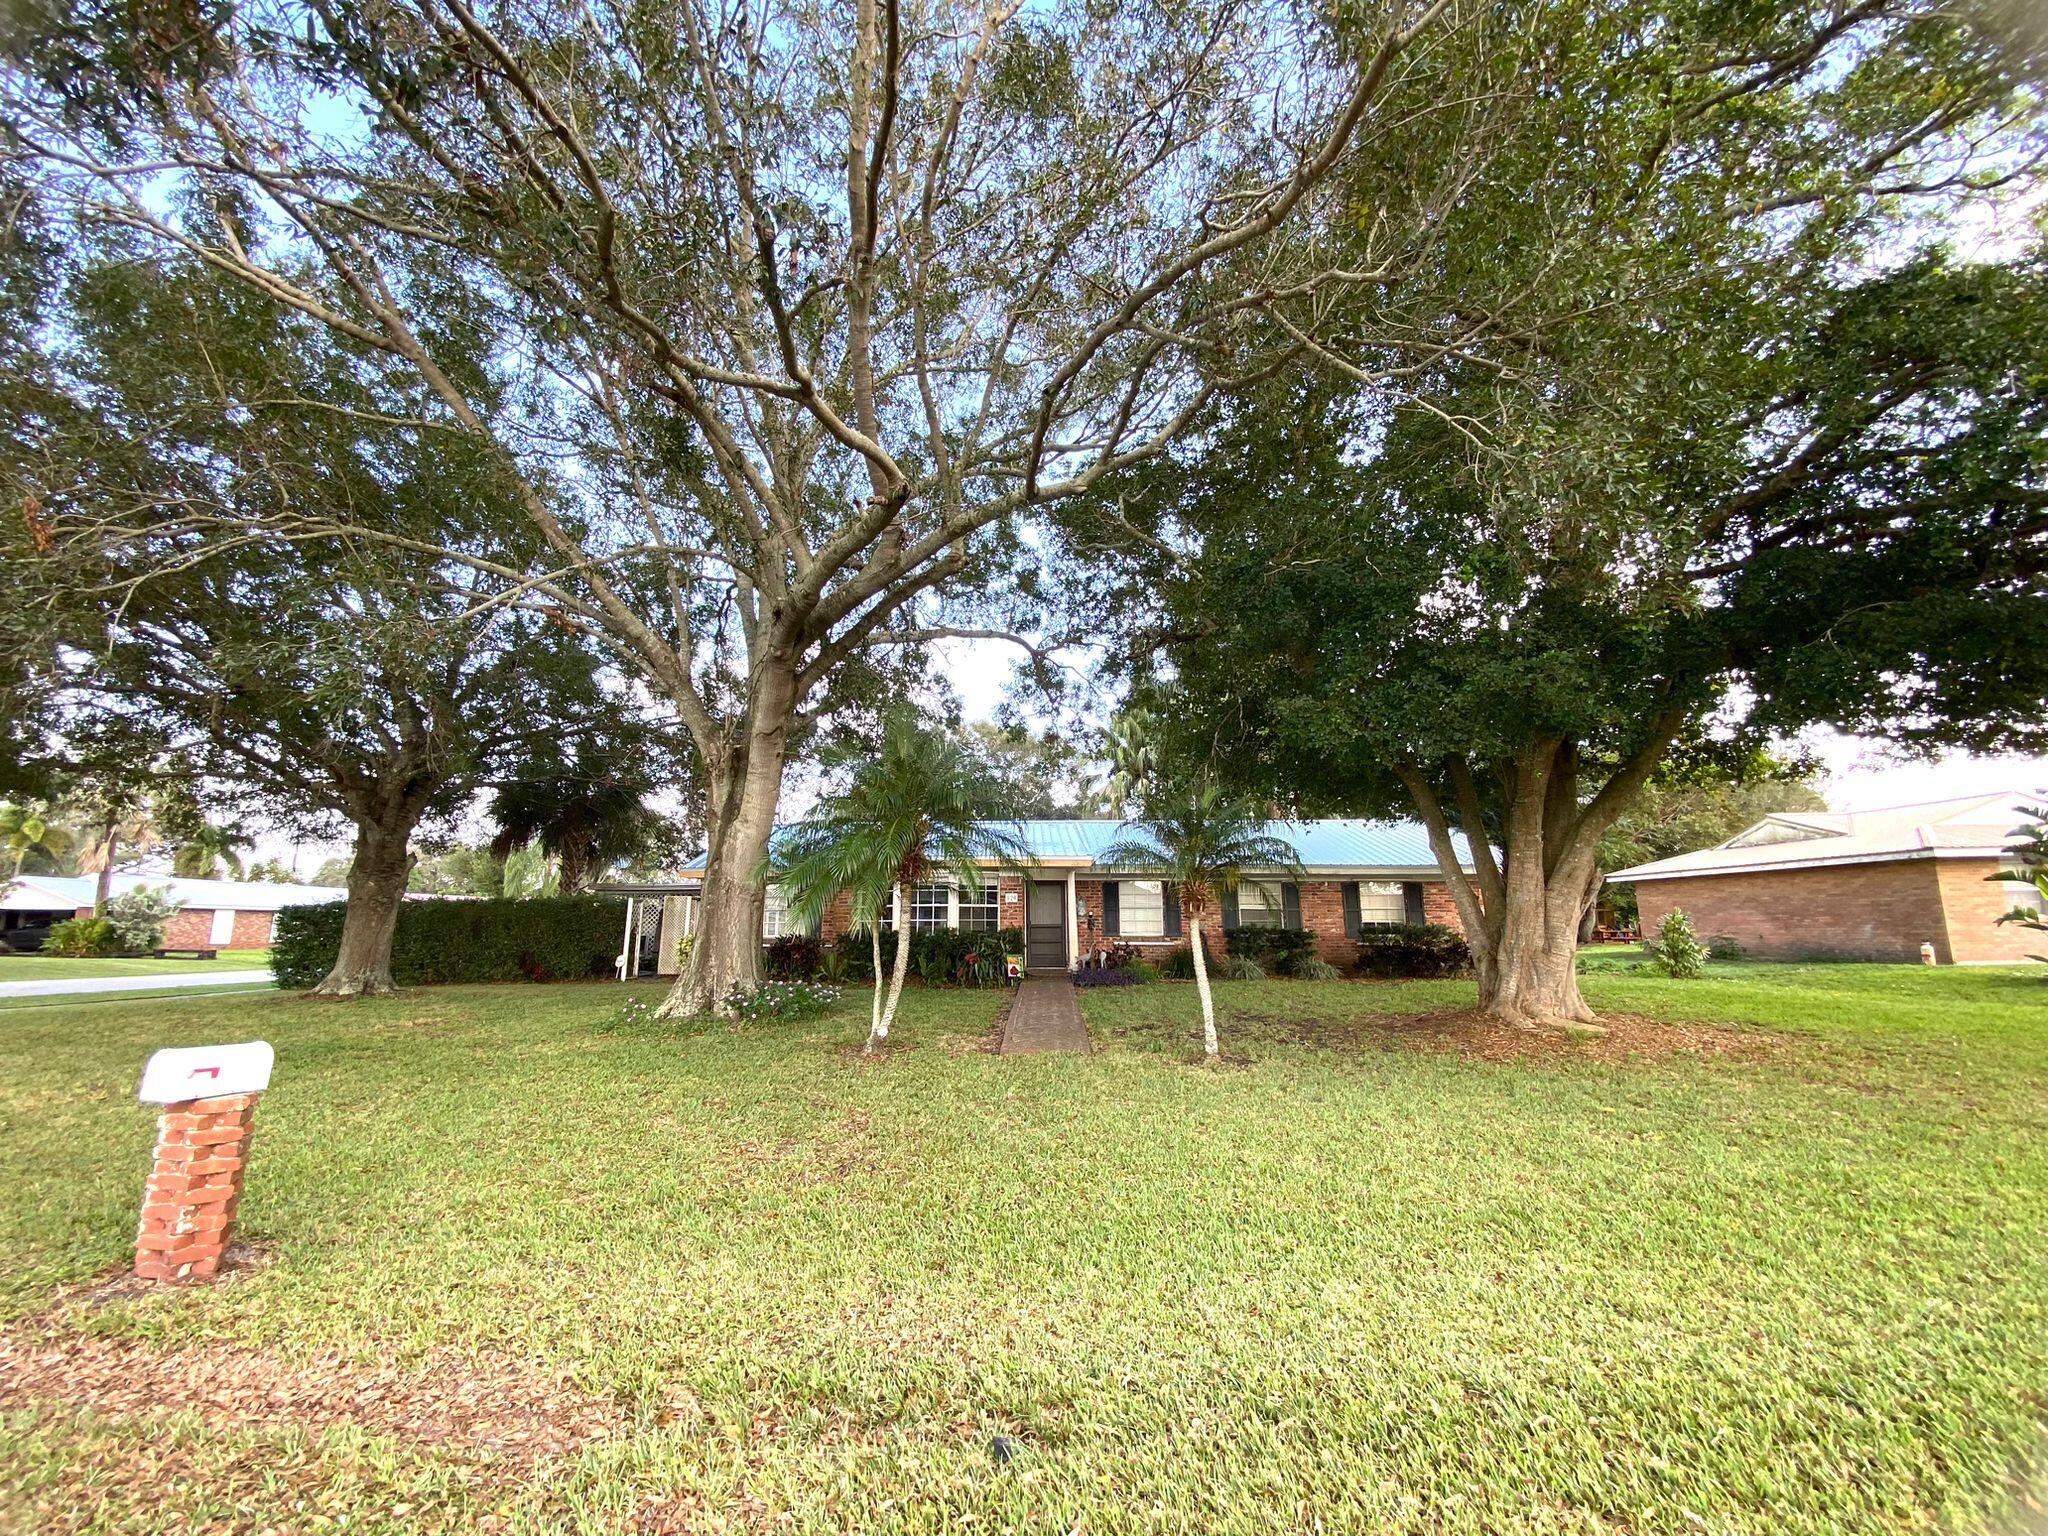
(202, 1150)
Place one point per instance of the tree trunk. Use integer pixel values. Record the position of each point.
(745, 789)
(1209, 1047)
(105, 887)
(875, 1028)
(901, 969)
(1521, 911)
(376, 889)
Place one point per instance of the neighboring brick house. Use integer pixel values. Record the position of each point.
(213, 914)
(1071, 907)
(1862, 885)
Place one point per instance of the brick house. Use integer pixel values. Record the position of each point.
(1072, 907)
(1859, 885)
(215, 914)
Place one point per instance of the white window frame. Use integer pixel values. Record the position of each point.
(1153, 910)
(2021, 894)
(922, 913)
(1381, 891)
(989, 900)
(775, 914)
(1272, 909)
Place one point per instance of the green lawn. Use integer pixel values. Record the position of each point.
(681, 1280)
(58, 968)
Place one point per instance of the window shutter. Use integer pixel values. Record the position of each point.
(1351, 923)
(1290, 904)
(1411, 891)
(1112, 908)
(1172, 904)
(1230, 911)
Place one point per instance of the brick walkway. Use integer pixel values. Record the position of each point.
(1045, 1016)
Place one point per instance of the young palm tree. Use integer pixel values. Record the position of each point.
(1204, 840)
(922, 806)
(29, 832)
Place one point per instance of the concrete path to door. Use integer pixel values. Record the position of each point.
(1044, 1016)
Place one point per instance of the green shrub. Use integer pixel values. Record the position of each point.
(1679, 953)
(794, 957)
(943, 957)
(1243, 968)
(140, 915)
(1315, 968)
(1724, 947)
(1414, 951)
(82, 938)
(1144, 971)
(545, 938)
(1275, 950)
(1179, 965)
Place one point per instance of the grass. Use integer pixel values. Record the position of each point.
(39, 967)
(1353, 1286)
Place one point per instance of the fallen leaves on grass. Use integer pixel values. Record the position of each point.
(1629, 1037)
(503, 1409)
(1470, 1033)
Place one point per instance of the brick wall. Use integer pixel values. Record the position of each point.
(1844, 911)
(1322, 913)
(192, 928)
(1971, 906)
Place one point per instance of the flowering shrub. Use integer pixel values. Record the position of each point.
(780, 1000)
(1106, 976)
(637, 1013)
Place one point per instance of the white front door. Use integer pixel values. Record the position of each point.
(223, 927)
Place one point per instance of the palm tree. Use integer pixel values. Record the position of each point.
(30, 832)
(206, 849)
(1204, 840)
(1131, 748)
(921, 806)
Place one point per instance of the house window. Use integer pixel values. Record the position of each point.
(1381, 904)
(2021, 894)
(1259, 905)
(1141, 911)
(930, 908)
(978, 908)
(776, 922)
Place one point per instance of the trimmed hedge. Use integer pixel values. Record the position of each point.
(546, 938)
(940, 957)
(1276, 951)
(1414, 951)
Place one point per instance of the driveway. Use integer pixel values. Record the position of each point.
(80, 985)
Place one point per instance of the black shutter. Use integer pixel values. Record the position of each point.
(1290, 904)
(1350, 909)
(1172, 899)
(1112, 908)
(1230, 911)
(1411, 893)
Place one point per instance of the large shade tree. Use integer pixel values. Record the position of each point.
(1713, 533)
(374, 684)
(822, 299)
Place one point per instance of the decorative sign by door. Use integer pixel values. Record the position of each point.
(1013, 967)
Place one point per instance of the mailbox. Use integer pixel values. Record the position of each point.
(206, 1072)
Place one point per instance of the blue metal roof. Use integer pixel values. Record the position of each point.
(1332, 845)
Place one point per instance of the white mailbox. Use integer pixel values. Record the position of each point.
(206, 1072)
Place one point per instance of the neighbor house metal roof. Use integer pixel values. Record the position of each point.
(36, 893)
(1975, 827)
(1336, 846)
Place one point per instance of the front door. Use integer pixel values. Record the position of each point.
(1045, 926)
